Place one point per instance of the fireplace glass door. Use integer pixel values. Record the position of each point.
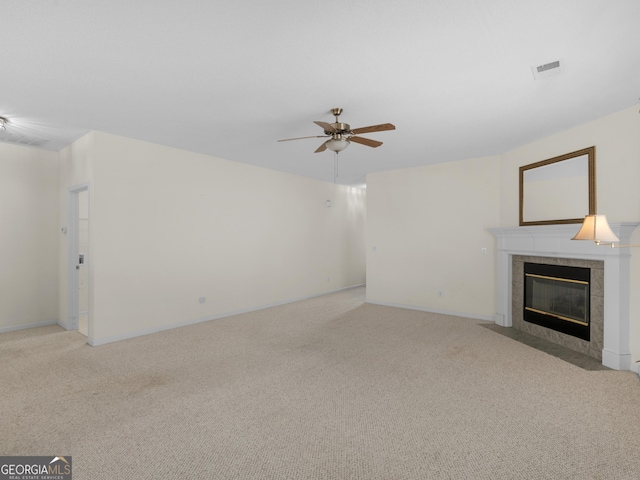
(558, 297)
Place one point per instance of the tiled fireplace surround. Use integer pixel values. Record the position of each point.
(610, 333)
(594, 347)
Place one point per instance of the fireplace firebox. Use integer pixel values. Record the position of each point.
(558, 297)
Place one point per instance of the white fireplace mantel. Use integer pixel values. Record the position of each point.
(555, 241)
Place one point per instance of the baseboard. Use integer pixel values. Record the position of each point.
(635, 367)
(488, 318)
(171, 326)
(29, 325)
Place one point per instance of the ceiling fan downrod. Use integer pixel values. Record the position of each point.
(340, 128)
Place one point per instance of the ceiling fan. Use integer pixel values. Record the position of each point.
(340, 134)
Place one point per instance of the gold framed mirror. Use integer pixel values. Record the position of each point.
(559, 190)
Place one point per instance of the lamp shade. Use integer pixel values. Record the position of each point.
(597, 229)
(337, 144)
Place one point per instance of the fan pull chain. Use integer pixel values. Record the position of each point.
(335, 167)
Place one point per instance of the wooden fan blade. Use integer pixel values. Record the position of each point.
(321, 148)
(365, 141)
(301, 138)
(327, 126)
(374, 128)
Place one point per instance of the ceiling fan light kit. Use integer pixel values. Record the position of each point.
(337, 144)
(341, 135)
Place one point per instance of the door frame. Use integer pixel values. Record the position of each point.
(73, 252)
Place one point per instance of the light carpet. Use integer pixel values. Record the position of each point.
(326, 388)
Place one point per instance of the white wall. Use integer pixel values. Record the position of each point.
(429, 226)
(28, 237)
(169, 227)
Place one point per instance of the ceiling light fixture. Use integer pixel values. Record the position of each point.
(597, 229)
(337, 143)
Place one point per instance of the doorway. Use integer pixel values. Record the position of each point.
(79, 261)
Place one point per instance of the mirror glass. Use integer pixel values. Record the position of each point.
(558, 190)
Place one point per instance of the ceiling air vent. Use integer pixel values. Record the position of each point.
(547, 70)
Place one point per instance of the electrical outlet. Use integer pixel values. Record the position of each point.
(484, 250)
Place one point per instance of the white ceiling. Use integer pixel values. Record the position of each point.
(230, 78)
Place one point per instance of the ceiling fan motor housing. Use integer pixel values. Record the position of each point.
(340, 128)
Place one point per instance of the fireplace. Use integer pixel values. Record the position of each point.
(559, 309)
(552, 244)
(558, 297)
